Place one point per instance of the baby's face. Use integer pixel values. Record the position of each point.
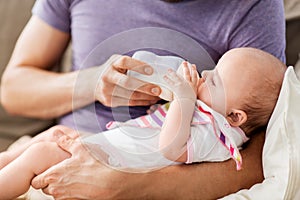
(211, 90)
(223, 87)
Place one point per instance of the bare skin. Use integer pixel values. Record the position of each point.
(81, 176)
(38, 49)
(106, 183)
(49, 135)
(33, 161)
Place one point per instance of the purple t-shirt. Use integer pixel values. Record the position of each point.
(100, 28)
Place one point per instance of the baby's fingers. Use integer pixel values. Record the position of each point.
(194, 75)
(186, 71)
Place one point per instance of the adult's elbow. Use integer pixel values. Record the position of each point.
(7, 98)
(4, 91)
(8, 107)
(6, 103)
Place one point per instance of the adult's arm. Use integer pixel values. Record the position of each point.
(29, 88)
(82, 177)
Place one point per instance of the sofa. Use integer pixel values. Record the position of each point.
(292, 15)
(15, 13)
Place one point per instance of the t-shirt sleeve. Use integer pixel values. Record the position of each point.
(56, 13)
(262, 27)
(203, 145)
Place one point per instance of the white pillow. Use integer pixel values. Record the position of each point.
(281, 152)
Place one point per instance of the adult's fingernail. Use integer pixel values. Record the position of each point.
(155, 91)
(148, 70)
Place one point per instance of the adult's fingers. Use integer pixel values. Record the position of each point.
(125, 63)
(54, 180)
(56, 173)
(74, 178)
(119, 96)
(119, 101)
(134, 84)
(72, 191)
(49, 176)
(68, 131)
(68, 144)
(134, 94)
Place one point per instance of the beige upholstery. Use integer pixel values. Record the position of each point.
(292, 9)
(13, 16)
(292, 14)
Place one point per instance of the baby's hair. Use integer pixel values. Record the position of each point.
(260, 101)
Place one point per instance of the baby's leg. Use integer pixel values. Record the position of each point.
(16, 177)
(46, 136)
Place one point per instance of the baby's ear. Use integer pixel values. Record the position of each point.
(236, 117)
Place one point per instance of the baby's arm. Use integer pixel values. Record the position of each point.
(176, 129)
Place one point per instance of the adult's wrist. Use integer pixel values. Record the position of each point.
(85, 87)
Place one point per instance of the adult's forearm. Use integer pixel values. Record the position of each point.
(90, 179)
(28, 88)
(199, 181)
(32, 92)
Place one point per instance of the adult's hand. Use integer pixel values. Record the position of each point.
(52, 96)
(115, 88)
(80, 177)
(83, 177)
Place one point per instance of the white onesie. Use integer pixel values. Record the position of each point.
(134, 144)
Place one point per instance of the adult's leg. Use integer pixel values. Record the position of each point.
(15, 178)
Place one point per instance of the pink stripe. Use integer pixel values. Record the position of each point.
(162, 112)
(146, 122)
(230, 148)
(109, 124)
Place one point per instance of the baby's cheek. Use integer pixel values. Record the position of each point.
(204, 95)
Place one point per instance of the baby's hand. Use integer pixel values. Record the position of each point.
(184, 86)
(153, 108)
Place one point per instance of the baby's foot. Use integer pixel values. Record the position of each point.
(5, 159)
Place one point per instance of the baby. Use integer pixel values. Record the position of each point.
(208, 120)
